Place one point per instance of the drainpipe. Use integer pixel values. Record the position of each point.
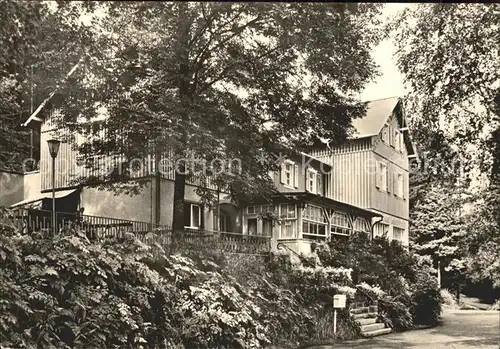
(374, 224)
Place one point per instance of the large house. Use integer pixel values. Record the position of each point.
(360, 186)
(371, 170)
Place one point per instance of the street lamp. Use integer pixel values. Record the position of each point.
(53, 150)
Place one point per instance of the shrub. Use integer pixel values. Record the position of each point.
(403, 283)
(65, 291)
(449, 301)
(395, 312)
(426, 298)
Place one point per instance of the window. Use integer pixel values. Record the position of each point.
(397, 140)
(380, 229)
(381, 176)
(314, 222)
(360, 225)
(311, 181)
(288, 217)
(398, 233)
(193, 216)
(288, 211)
(400, 185)
(340, 224)
(289, 174)
(385, 134)
(260, 208)
(252, 226)
(319, 184)
(394, 136)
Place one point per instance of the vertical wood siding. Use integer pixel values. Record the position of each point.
(69, 168)
(351, 178)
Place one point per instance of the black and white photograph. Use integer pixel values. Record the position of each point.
(224, 175)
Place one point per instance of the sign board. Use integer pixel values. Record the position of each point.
(339, 301)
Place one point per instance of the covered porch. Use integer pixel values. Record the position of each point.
(298, 220)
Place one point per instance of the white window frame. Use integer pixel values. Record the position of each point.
(382, 173)
(339, 229)
(288, 220)
(400, 184)
(293, 171)
(314, 221)
(380, 229)
(311, 187)
(200, 212)
(365, 224)
(400, 231)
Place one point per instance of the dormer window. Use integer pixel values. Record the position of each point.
(385, 134)
(397, 140)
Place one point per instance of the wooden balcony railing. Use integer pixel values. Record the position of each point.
(32, 220)
(209, 240)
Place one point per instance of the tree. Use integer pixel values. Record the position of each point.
(448, 54)
(222, 81)
(38, 44)
(438, 230)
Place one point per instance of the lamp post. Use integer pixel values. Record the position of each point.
(53, 150)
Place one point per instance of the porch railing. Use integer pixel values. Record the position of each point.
(96, 227)
(41, 220)
(209, 240)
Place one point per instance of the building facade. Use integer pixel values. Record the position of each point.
(359, 186)
(371, 170)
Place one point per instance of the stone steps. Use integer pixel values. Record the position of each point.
(367, 321)
(377, 332)
(372, 327)
(366, 317)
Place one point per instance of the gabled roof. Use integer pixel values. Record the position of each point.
(377, 113)
(34, 116)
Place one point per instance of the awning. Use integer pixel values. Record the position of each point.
(38, 199)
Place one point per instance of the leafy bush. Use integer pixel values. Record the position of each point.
(66, 292)
(449, 300)
(403, 283)
(426, 297)
(395, 312)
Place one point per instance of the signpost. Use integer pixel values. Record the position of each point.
(338, 303)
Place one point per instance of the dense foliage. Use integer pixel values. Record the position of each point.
(37, 48)
(65, 292)
(448, 56)
(404, 284)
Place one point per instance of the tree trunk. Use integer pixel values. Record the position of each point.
(185, 99)
(157, 187)
(178, 219)
(439, 274)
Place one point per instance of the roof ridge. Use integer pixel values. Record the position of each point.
(380, 99)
